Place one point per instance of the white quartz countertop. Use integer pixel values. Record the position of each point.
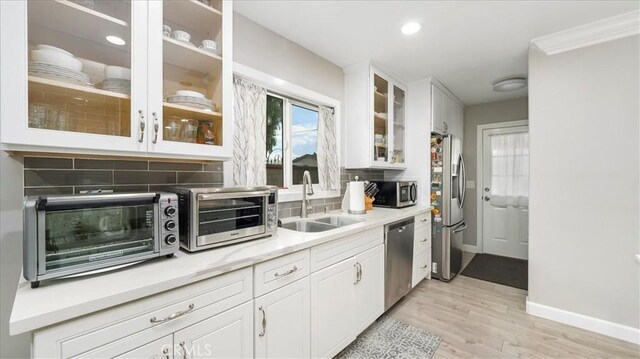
(63, 299)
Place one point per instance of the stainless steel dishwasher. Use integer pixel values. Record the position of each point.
(398, 248)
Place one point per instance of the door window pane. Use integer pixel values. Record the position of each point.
(304, 143)
(275, 155)
(380, 118)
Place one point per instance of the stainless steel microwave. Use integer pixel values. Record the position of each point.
(396, 194)
(214, 217)
(65, 235)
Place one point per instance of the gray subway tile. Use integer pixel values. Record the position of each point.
(200, 177)
(66, 177)
(48, 162)
(39, 191)
(284, 213)
(213, 166)
(90, 163)
(144, 177)
(295, 212)
(175, 166)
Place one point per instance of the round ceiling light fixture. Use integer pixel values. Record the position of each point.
(410, 28)
(511, 83)
(116, 40)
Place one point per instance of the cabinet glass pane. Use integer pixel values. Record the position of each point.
(192, 71)
(380, 117)
(397, 155)
(79, 61)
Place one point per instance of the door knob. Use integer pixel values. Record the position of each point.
(486, 198)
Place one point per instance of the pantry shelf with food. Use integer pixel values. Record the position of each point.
(106, 79)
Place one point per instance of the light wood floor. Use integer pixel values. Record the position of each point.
(487, 320)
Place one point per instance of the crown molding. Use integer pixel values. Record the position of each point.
(609, 29)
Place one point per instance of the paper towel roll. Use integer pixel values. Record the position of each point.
(356, 198)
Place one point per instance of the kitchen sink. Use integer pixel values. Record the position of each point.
(320, 224)
(338, 221)
(308, 226)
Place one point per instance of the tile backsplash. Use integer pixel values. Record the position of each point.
(293, 208)
(52, 175)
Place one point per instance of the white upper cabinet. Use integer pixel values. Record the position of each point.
(101, 78)
(446, 113)
(375, 119)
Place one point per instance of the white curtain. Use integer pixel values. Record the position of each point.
(249, 134)
(328, 168)
(510, 169)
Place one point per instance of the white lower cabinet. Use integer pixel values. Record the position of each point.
(226, 335)
(345, 298)
(282, 322)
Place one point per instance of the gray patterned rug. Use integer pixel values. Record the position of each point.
(389, 338)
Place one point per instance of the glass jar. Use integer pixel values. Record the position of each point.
(205, 133)
(189, 130)
(172, 129)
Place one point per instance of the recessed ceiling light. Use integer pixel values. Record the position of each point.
(116, 40)
(510, 84)
(410, 28)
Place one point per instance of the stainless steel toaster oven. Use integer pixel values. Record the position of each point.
(65, 235)
(214, 217)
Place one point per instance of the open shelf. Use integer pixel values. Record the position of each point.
(193, 13)
(380, 94)
(190, 57)
(63, 85)
(73, 19)
(172, 109)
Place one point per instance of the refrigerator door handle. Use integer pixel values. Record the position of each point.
(462, 181)
(461, 227)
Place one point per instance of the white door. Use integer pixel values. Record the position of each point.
(282, 322)
(226, 335)
(505, 191)
(332, 309)
(158, 349)
(369, 298)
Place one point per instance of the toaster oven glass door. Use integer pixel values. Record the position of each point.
(81, 236)
(228, 219)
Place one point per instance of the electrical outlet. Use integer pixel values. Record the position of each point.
(434, 267)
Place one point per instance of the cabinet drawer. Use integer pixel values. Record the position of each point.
(423, 220)
(421, 239)
(333, 252)
(280, 271)
(421, 266)
(184, 304)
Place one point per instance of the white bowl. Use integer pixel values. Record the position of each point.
(189, 93)
(181, 35)
(57, 58)
(117, 72)
(49, 47)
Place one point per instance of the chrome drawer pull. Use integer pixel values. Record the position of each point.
(294, 269)
(165, 352)
(142, 125)
(424, 219)
(184, 350)
(173, 316)
(156, 127)
(264, 322)
(424, 266)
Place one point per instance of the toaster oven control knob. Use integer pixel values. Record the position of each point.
(170, 239)
(170, 225)
(170, 211)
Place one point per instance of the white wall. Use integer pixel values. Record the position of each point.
(584, 227)
(500, 111)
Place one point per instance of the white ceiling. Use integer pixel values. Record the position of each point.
(464, 44)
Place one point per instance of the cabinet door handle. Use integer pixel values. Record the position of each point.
(175, 315)
(294, 269)
(357, 273)
(424, 266)
(156, 127)
(424, 240)
(264, 322)
(184, 350)
(142, 125)
(424, 220)
(360, 272)
(165, 352)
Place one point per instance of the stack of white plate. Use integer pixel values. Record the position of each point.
(122, 86)
(192, 99)
(58, 73)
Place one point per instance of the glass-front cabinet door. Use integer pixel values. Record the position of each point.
(397, 155)
(388, 122)
(83, 74)
(187, 90)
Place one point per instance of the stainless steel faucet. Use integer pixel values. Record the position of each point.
(306, 181)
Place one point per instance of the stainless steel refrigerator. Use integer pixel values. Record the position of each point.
(447, 198)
